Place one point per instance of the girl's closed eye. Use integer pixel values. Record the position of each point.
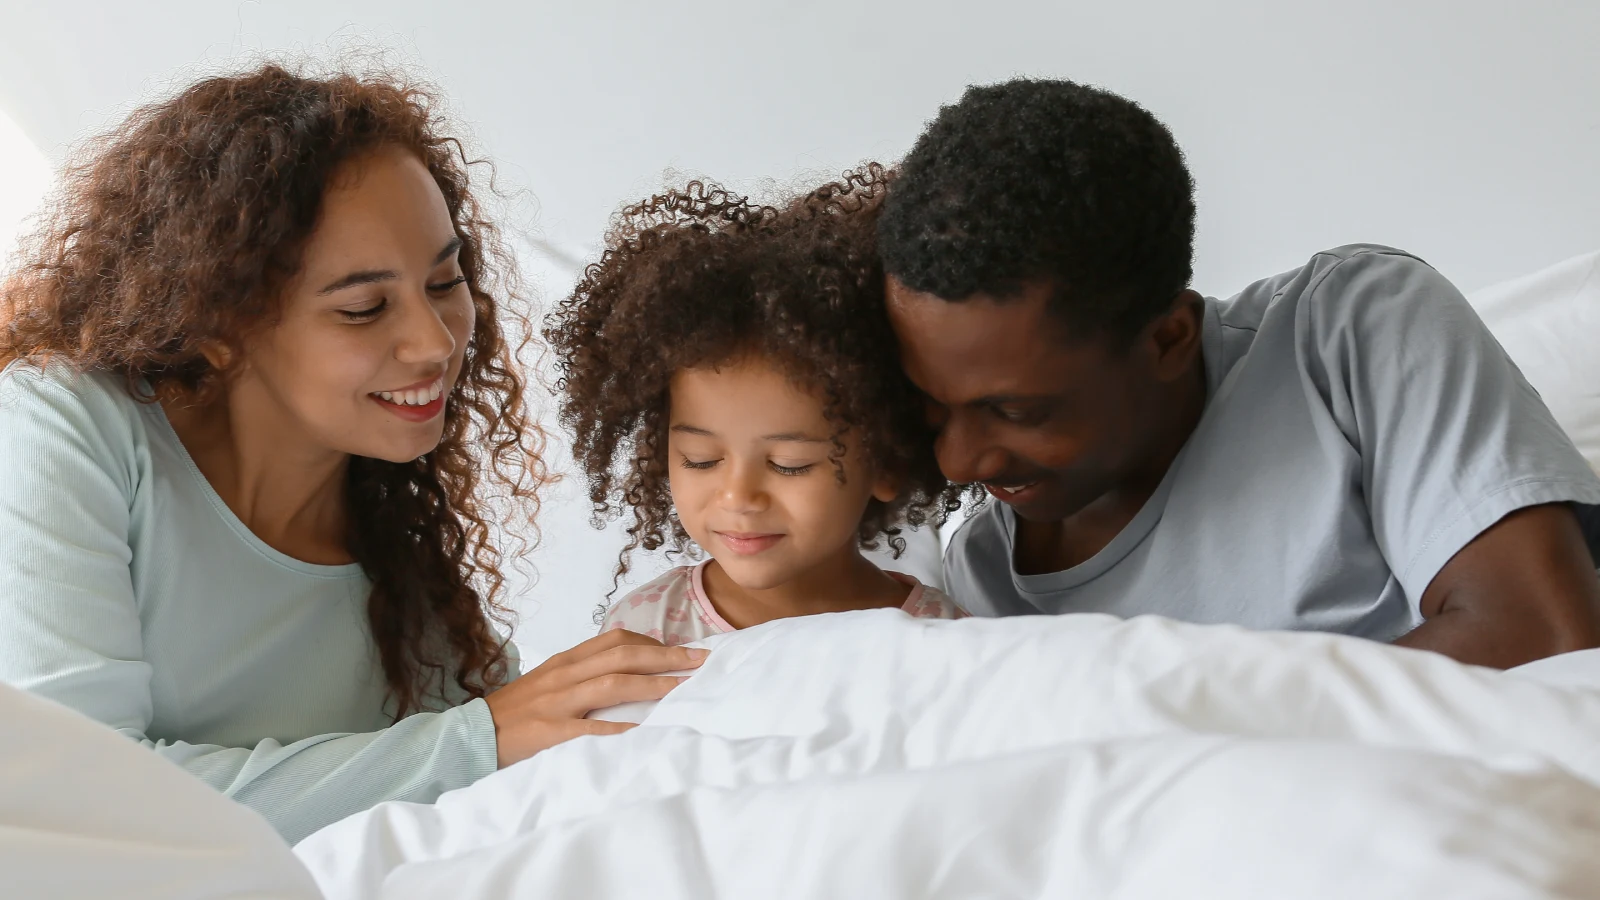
(796, 469)
(699, 464)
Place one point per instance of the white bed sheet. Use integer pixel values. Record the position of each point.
(872, 755)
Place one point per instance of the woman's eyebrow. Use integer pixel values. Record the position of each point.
(366, 276)
(450, 248)
(373, 276)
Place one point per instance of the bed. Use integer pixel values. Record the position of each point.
(871, 755)
(874, 755)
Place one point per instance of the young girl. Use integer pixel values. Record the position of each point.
(730, 375)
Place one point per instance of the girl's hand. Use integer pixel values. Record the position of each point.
(547, 706)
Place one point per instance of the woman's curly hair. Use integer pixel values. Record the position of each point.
(700, 276)
(179, 230)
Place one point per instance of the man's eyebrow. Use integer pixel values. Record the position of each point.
(373, 276)
(1003, 399)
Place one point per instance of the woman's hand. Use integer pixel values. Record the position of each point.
(547, 706)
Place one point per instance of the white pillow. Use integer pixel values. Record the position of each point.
(1549, 322)
(86, 812)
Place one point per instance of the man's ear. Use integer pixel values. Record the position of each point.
(1174, 337)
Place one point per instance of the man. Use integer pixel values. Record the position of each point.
(1342, 447)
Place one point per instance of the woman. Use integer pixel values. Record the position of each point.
(256, 408)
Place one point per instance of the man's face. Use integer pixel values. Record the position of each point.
(1047, 421)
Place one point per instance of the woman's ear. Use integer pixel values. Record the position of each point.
(218, 354)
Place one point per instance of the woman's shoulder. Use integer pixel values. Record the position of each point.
(51, 399)
(26, 383)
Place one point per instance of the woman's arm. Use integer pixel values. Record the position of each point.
(303, 786)
(70, 628)
(70, 631)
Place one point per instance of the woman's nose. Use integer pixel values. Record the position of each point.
(424, 337)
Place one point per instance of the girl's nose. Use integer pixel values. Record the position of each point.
(741, 491)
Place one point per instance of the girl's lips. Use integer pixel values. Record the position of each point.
(747, 544)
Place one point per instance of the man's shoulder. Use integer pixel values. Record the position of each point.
(1326, 278)
(1349, 296)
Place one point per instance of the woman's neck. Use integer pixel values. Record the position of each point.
(287, 491)
(842, 583)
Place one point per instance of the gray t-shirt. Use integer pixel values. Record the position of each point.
(1361, 427)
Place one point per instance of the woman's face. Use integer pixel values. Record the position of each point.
(373, 328)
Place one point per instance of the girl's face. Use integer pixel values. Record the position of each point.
(751, 476)
(373, 328)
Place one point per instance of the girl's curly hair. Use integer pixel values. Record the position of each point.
(700, 276)
(179, 230)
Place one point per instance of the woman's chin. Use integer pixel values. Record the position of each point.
(403, 451)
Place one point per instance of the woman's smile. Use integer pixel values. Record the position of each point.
(419, 402)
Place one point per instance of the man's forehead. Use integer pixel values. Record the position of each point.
(977, 327)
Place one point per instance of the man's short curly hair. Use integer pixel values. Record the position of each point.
(700, 276)
(1036, 180)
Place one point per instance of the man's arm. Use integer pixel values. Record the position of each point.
(1524, 589)
(1468, 480)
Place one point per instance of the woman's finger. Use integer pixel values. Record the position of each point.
(606, 691)
(597, 644)
(568, 729)
(518, 744)
(629, 659)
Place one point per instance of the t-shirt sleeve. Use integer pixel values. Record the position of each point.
(70, 628)
(663, 609)
(69, 623)
(1450, 435)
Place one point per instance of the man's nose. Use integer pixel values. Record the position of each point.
(965, 454)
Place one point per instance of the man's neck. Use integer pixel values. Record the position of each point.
(846, 582)
(286, 490)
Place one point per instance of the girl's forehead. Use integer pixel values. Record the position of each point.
(746, 398)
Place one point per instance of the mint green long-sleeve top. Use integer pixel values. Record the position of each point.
(130, 592)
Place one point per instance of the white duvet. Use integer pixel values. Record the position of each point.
(872, 755)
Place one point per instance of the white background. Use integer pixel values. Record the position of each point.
(1468, 132)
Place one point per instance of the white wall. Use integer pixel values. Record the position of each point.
(1465, 131)
(24, 178)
